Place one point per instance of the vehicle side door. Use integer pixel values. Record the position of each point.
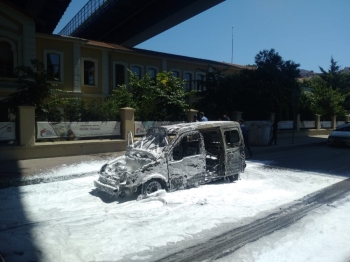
(186, 161)
(234, 161)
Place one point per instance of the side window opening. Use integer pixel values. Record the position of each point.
(212, 144)
(188, 146)
(231, 138)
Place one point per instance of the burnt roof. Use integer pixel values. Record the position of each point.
(182, 127)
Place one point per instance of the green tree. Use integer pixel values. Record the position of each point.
(305, 105)
(269, 87)
(160, 100)
(324, 100)
(337, 80)
(33, 88)
(345, 89)
(120, 98)
(276, 82)
(332, 77)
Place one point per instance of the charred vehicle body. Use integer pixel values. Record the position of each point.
(176, 157)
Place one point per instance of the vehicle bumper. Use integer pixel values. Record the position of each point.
(338, 142)
(106, 188)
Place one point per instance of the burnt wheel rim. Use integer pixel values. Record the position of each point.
(153, 186)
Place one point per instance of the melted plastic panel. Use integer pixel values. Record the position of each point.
(235, 156)
(155, 170)
(187, 173)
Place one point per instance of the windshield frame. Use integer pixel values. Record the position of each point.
(155, 140)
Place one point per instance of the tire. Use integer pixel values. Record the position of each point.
(233, 178)
(151, 186)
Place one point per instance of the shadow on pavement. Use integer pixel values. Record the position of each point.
(15, 227)
(314, 156)
(107, 198)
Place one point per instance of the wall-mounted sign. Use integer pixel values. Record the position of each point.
(77, 129)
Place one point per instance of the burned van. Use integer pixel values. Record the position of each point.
(176, 157)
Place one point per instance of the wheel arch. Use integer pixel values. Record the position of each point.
(154, 176)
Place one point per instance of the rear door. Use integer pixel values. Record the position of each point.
(234, 162)
(186, 161)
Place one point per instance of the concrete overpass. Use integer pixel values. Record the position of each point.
(131, 22)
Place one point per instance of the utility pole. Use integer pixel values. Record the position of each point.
(232, 47)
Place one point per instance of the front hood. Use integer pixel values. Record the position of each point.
(124, 165)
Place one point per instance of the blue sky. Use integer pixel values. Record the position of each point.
(308, 32)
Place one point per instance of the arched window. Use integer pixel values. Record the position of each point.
(188, 79)
(153, 73)
(53, 67)
(176, 73)
(54, 62)
(200, 82)
(89, 72)
(119, 74)
(6, 59)
(136, 70)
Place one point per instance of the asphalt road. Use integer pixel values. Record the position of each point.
(322, 158)
(229, 242)
(331, 160)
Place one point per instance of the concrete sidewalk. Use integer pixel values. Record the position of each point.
(286, 142)
(24, 172)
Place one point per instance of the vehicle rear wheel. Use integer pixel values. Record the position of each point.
(233, 178)
(151, 186)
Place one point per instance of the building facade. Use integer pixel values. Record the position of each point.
(85, 68)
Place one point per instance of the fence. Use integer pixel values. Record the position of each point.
(29, 131)
(285, 125)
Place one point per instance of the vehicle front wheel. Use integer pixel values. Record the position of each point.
(151, 186)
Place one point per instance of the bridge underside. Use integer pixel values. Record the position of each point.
(46, 13)
(131, 22)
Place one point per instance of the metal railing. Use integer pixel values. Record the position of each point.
(85, 16)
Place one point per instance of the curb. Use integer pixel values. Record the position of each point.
(40, 180)
(23, 181)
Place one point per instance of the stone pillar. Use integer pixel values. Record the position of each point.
(347, 119)
(26, 123)
(333, 122)
(236, 116)
(317, 121)
(298, 123)
(190, 114)
(127, 122)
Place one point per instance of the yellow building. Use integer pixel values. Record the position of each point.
(85, 68)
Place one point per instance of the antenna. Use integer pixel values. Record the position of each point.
(232, 47)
